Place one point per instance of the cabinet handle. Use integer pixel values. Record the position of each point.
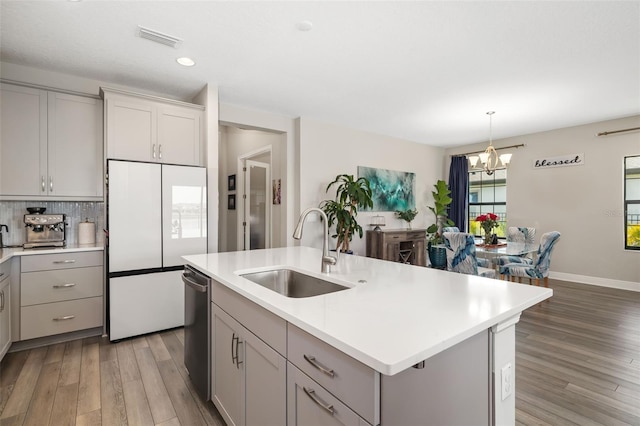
(64, 285)
(312, 360)
(43, 187)
(160, 151)
(64, 261)
(50, 184)
(1, 300)
(154, 151)
(312, 394)
(235, 341)
(1, 274)
(67, 317)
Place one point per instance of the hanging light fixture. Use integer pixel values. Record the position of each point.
(489, 158)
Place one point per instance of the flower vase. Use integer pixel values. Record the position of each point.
(488, 238)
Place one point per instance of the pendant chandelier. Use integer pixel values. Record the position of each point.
(489, 158)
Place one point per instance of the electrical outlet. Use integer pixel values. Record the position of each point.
(507, 381)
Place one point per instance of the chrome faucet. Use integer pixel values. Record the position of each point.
(297, 234)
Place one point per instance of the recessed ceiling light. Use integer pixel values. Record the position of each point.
(304, 25)
(187, 62)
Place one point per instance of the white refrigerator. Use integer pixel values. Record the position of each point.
(156, 213)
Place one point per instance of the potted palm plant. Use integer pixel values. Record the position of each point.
(440, 209)
(351, 194)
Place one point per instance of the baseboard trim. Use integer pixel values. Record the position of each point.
(602, 282)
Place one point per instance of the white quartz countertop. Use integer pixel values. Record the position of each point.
(399, 316)
(8, 253)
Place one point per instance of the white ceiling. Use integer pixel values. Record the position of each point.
(423, 71)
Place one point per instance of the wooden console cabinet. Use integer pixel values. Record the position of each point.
(398, 245)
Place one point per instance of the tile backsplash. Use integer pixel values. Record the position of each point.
(12, 214)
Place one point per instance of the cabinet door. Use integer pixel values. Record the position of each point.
(23, 141)
(5, 316)
(308, 403)
(131, 129)
(179, 135)
(74, 146)
(265, 383)
(227, 373)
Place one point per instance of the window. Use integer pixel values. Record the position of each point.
(632, 202)
(488, 194)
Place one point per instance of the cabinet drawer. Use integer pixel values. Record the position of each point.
(58, 285)
(60, 317)
(395, 236)
(353, 382)
(310, 403)
(44, 262)
(271, 328)
(416, 235)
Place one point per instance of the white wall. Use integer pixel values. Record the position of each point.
(209, 98)
(584, 203)
(247, 118)
(235, 143)
(327, 150)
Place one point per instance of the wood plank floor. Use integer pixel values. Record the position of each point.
(138, 381)
(578, 358)
(577, 363)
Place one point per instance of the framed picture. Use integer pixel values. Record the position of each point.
(231, 203)
(231, 182)
(277, 195)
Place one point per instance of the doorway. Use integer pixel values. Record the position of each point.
(256, 209)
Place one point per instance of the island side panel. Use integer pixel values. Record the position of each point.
(453, 388)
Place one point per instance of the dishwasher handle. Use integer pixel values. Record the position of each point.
(194, 285)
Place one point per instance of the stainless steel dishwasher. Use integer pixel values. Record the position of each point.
(197, 334)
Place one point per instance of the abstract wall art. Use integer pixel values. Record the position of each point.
(391, 190)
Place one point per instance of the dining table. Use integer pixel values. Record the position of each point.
(507, 248)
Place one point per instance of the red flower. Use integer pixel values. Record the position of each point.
(493, 216)
(481, 218)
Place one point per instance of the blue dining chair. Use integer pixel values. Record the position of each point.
(461, 255)
(482, 262)
(536, 269)
(518, 235)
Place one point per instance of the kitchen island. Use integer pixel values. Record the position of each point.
(391, 319)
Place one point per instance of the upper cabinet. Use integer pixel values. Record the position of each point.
(147, 128)
(50, 145)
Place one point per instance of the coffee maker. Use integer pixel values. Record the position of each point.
(44, 230)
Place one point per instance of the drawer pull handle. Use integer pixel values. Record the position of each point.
(312, 360)
(64, 285)
(64, 261)
(67, 317)
(1, 300)
(312, 394)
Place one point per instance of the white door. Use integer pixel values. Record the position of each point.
(257, 205)
(184, 211)
(134, 216)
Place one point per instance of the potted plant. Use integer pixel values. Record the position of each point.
(440, 209)
(351, 194)
(407, 215)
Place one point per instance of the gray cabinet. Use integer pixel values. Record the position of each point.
(50, 145)
(5, 309)
(147, 128)
(60, 293)
(398, 245)
(249, 377)
(308, 403)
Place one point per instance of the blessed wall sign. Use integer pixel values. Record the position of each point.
(563, 161)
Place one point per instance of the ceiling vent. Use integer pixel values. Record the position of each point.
(158, 37)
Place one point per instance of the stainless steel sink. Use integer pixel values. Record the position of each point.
(293, 284)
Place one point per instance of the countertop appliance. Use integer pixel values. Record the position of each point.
(197, 330)
(156, 213)
(45, 230)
